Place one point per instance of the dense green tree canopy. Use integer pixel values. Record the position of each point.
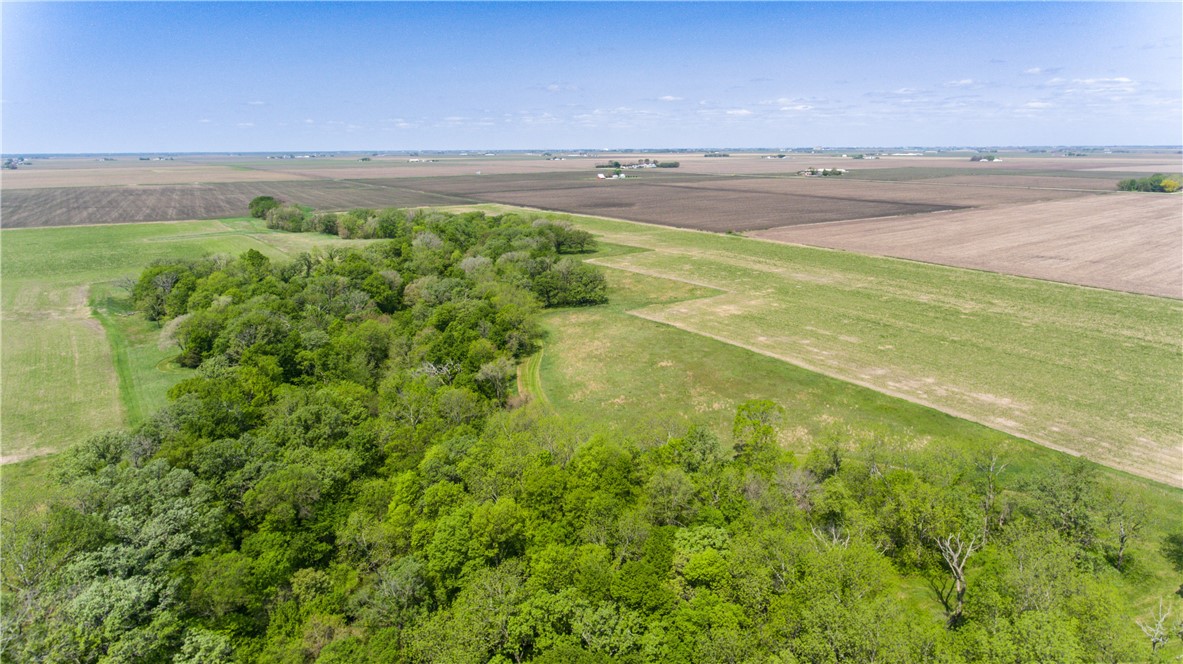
(341, 481)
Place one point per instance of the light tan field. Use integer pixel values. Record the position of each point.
(107, 174)
(1028, 181)
(1121, 241)
(911, 192)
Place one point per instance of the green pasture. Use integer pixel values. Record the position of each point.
(1083, 370)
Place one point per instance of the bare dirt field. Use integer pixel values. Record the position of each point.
(1129, 242)
(735, 203)
(159, 173)
(71, 206)
(713, 208)
(925, 192)
(1065, 181)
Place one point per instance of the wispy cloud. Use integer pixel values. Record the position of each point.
(960, 83)
(256, 103)
(669, 98)
(245, 125)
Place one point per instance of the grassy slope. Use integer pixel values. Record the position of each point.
(1084, 370)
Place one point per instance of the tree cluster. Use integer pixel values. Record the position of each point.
(1154, 183)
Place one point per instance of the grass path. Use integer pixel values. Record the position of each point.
(530, 379)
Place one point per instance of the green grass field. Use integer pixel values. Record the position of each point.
(74, 361)
(1088, 371)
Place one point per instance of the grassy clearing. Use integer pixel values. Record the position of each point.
(608, 365)
(1088, 371)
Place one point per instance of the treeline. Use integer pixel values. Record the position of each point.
(641, 163)
(1154, 183)
(341, 481)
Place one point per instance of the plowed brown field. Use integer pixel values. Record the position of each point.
(71, 206)
(1130, 242)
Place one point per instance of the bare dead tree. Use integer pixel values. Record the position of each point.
(1156, 628)
(1126, 516)
(165, 281)
(831, 536)
(990, 468)
(126, 284)
(956, 553)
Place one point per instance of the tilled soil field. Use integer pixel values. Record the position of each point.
(710, 208)
(1123, 241)
(71, 206)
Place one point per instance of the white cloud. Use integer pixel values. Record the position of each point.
(961, 83)
(1034, 71)
(246, 125)
(205, 121)
(1038, 105)
(739, 112)
(669, 98)
(797, 107)
(256, 103)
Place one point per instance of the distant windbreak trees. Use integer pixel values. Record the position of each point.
(1154, 183)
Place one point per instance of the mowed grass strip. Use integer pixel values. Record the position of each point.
(58, 386)
(1082, 370)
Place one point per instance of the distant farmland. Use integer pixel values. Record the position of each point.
(1040, 216)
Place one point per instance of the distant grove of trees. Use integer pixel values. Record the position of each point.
(641, 163)
(1154, 183)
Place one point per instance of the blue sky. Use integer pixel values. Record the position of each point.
(130, 77)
